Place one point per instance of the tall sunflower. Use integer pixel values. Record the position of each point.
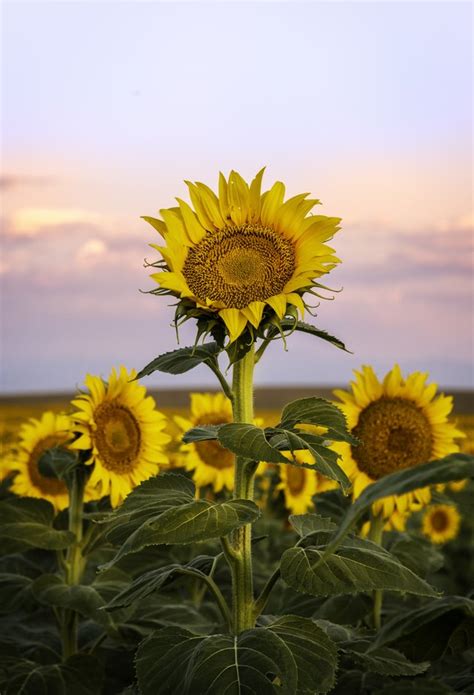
(299, 485)
(36, 437)
(209, 462)
(441, 523)
(401, 423)
(121, 427)
(241, 251)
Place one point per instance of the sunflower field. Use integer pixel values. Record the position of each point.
(326, 547)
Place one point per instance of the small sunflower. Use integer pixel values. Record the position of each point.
(400, 423)
(123, 430)
(209, 462)
(299, 484)
(441, 523)
(36, 437)
(240, 251)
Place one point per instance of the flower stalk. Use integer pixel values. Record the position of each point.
(244, 472)
(74, 565)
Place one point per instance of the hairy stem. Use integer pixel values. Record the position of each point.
(376, 535)
(241, 562)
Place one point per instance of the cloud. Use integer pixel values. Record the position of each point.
(12, 181)
(91, 252)
(31, 222)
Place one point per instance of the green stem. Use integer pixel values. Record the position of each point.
(241, 562)
(74, 560)
(376, 534)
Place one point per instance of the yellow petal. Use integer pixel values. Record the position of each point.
(255, 197)
(278, 304)
(253, 313)
(272, 202)
(235, 322)
(194, 228)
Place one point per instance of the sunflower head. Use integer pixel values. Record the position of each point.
(241, 256)
(36, 437)
(123, 430)
(400, 423)
(299, 484)
(441, 523)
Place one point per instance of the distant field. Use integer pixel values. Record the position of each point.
(16, 409)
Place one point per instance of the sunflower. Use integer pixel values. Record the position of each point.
(210, 463)
(240, 251)
(121, 427)
(299, 484)
(36, 437)
(441, 523)
(400, 423)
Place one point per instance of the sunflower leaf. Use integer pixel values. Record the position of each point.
(358, 565)
(248, 441)
(182, 360)
(194, 522)
(173, 660)
(314, 652)
(307, 524)
(303, 327)
(383, 660)
(153, 580)
(28, 523)
(317, 411)
(57, 462)
(86, 600)
(452, 467)
(80, 674)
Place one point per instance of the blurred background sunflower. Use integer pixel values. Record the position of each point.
(441, 523)
(36, 437)
(400, 423)
(299, 485)
(121, 427)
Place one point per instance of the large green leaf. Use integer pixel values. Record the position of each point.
(314, 652)
(79, 675)
(257, 444)
(358, 565)
(15, 591)
(452, 467)
(419, 554)
(51, 590)
(317, 411)
(194, 522)
(308, 524)
(257, 662)
(151, 581)
(28, 523)
(383, 660)
(407, 623)
(148, 500)
(417, 686)
(57, 462)
(182, 360)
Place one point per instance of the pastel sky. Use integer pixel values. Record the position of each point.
(108, 106)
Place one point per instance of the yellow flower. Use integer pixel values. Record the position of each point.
(441, 523)
(36, 437)
(210, 463)
(241, 251)
(300, 484)
(123, 430)
(400, 423)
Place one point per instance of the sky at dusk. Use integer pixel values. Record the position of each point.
(108, 106)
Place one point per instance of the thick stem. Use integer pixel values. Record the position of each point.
(241, 563)
(376, 534)
(74, 560)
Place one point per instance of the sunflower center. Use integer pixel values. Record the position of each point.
(295, 479)
(394, 434)
(47, 485)
(117, 436)
(239, 265)
(439, 520)
(211, 452)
